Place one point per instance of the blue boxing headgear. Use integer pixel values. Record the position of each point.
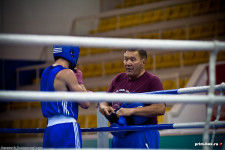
(70, 53)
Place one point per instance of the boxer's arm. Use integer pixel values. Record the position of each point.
(73, 85)
(84, 104)
(80, 81)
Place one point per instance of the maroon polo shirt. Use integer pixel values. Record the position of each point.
(145, 83)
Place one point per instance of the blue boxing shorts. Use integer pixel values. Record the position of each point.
(62, 132)
(138, 139)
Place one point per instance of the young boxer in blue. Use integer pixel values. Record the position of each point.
(62, 130)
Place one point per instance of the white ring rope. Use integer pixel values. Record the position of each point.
(108, 97)
(28, 39)
(220, 87)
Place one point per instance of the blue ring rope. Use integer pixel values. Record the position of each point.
(175, 91)
(112, 129)
(189, 90)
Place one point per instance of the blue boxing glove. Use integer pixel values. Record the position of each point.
(137, 119)
(112, 118)
(121, 121)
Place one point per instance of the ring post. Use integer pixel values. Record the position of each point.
(103, 138)
(212, 77)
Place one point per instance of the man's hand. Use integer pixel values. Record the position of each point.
(106, 110)
(125, 112)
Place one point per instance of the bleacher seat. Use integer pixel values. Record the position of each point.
(19, 105)
(188, 58)
(208, 30)
(201, 57)
(176, 60)
(186, 81)
(135, 20)
(92, 89)
(98, 69)
(146, 17)
(169, 84)
(167, 59)
(106, 24)
(129, 20)
(221, 27)
(154, 35)
(179, 34)
(114, 67)
(184, 10)
(83, 51)
(119, 67)
(195, 32)
(152, 16)
(146, 36)
(204, 6)
(172, 12)
(29, 123)
(109, 68)
(92, 121)
(16, 124)
(103, 25)
(25, 123)
(34, 123)
(103, 89)
(92, 31)
(160, 119)
(82, 121)
(43, 122)
(149, 63)
(36, 81)
(132, 3)
(112, 23)
(159, 61)
(167, 34)
(128, 3)
(171, 60)
(157, 15)
(91, 70)
(35, 104)
(221, 56)
(214, 6)
(124, 21)
(195, 8)
(183, 82)
(151, 35)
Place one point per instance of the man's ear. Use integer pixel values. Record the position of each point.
(143, 62)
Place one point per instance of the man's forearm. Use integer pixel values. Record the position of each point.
(147, 111)
(150, 111)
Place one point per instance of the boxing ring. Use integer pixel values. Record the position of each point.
(169, 96)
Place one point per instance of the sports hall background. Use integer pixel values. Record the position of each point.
(21, 66)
